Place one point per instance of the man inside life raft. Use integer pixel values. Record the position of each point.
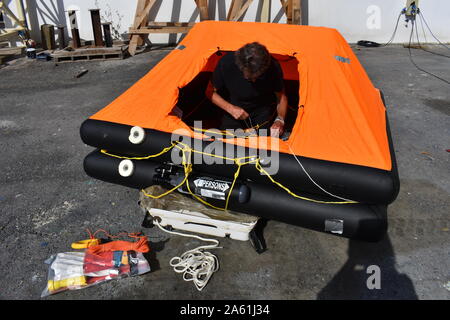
(252, 82)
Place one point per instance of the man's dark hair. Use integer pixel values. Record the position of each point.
(253, 60)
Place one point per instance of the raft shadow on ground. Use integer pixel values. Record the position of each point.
(351, 280)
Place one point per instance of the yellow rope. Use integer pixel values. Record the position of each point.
(227, 133)
(238, 161)
(167, 149)
(223, 132)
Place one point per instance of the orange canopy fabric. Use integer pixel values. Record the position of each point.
(341, 116)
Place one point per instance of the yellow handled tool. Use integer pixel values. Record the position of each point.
(70, 282)
(83, 244)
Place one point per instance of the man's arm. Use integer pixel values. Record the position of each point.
(277, 128)
(235, 111)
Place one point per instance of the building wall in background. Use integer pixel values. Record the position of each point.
(375, 19)
(355, 19)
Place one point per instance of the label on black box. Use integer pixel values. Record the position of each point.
(211, 188)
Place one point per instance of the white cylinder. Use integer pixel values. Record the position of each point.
(137, 135)
(126, 168)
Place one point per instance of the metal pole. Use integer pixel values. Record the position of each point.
(76, 43)
(107, 33)
(97, 27)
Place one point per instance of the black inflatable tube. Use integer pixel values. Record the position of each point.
(359, 183)
(360, 221)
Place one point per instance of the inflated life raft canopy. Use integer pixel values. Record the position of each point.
(341, 116)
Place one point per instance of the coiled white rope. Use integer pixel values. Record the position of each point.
(196, 265)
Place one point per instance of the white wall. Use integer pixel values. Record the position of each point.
(375, 19)
(355, 19)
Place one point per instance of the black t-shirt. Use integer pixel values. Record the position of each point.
(257, 98)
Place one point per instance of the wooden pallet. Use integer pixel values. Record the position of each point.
(90, 54)
(8, 52)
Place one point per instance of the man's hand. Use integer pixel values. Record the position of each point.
(277, 129)
(238, 113)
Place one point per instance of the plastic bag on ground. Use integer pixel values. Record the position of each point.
(78, 270)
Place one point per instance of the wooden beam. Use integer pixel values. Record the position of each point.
(11, 51)
(265, 11)
(234, 8)
(293, 11)
(289, 11)
(8, 34)
(203, 8)
(10, 14)
(20, 13)
(242, 10)
(153, 24)
(297, 11)
(139, 9)
(168, 29)
(139, 21)
(138, 40)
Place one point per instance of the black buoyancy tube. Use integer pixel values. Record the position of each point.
(356, 221)
(358, 183)
(145, 173)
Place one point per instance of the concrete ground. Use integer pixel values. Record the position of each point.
(47, 201)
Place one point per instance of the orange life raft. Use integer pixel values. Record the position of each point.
(337, 169)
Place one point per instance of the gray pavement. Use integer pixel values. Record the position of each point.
(47, 201)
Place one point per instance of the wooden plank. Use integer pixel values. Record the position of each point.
(10, 14)
(136, 39)
(234, 9)
(265, 11)
(203, 8)
(140, 19)
(9, 34)
(289, 11)
(296, 11)
(139, 8)
(20, 12)
(11, 51)
(242, 10)
(160, 30)
(169, 24)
